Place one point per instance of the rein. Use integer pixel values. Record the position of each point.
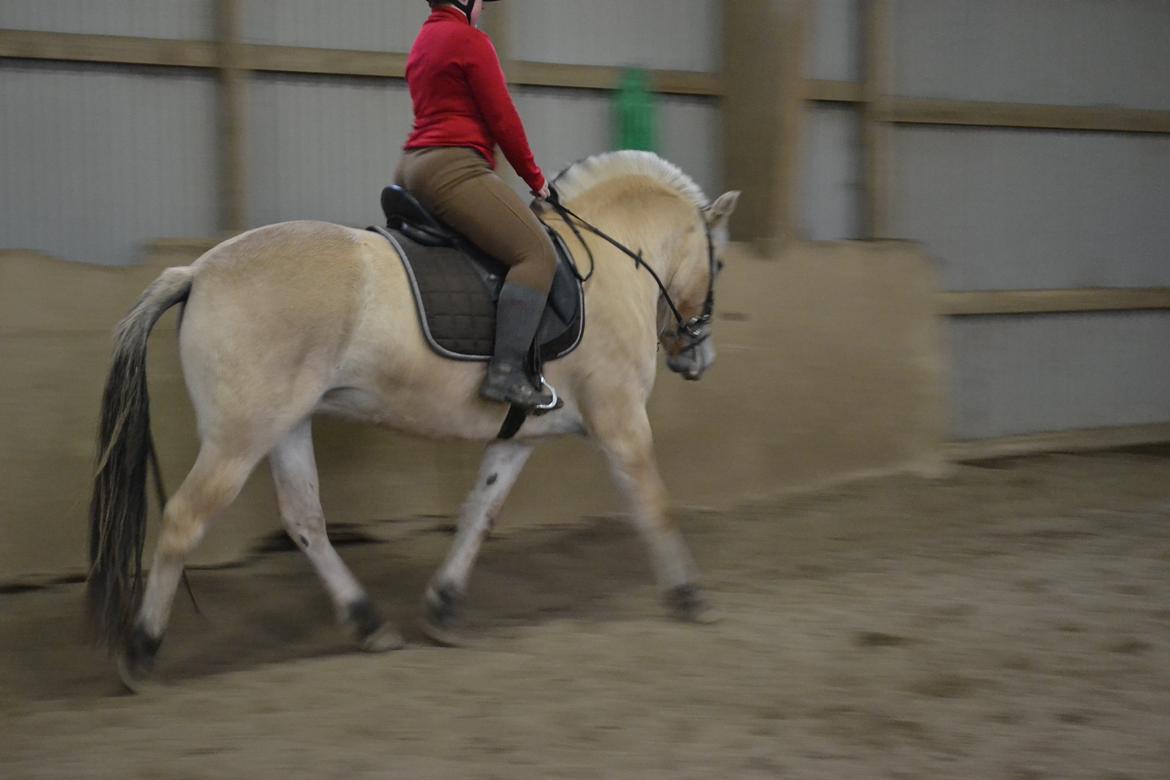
(697, 329)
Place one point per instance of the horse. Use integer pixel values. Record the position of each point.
(291, 320)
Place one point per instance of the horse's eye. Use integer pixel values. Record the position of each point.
(719, 266)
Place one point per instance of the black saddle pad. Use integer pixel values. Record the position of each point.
(456, 289)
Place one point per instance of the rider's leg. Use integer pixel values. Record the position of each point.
(461, 189)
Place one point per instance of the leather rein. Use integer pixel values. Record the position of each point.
(693, 331)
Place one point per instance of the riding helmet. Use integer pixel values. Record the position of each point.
(463, 5)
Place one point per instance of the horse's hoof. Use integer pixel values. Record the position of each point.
(382, 640)
(443, 636)
(135, 679)
(440, 617)
(687, 604)
(135, 662)
(372, 633)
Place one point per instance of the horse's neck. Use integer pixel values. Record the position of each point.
(636, 235)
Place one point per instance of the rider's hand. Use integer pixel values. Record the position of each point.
(543, 192)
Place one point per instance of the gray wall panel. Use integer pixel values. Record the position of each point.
(676, 34)
(1017, 375)
(147, 18)
(830, 173)
(835, 43)
(691, 138)
(567, 125)
(1009, 209)
(1083, 52)
(97, 161)
(323, 148)
(368, 25)
(563, 127)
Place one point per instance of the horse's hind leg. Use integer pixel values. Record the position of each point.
(294, 470)
(502, 463)
(628, 444)
(212, 484)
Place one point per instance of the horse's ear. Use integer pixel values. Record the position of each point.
(720, 211)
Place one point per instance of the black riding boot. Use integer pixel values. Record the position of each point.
(517, 318)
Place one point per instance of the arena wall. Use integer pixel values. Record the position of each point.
(829, 366)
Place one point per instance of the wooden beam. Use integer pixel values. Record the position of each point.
(929, 111)
(120, 50)
(109, 49)
(124, 50)
(1060, 441)
(823, 91)
(1000, 302)
(921, 111)
(670, 82)
(232, 135)
(875, 141)
(751, 111)
(324, 62)
(791, 95)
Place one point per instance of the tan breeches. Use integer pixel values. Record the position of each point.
(462, 190)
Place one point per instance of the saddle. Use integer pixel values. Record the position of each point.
(456, 287)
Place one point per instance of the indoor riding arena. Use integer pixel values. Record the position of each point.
(925, 484)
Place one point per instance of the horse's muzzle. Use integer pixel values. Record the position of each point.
(693, 363)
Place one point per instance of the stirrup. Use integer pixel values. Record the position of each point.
(551, 406)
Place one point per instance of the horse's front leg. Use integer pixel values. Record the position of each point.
(628, 443)
(502, 463)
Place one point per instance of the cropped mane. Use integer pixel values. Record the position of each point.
(584, 175)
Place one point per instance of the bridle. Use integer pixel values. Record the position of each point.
(691, 332)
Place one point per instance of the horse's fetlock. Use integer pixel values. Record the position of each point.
(364, 617)
(686, 602)
(140, 650)
(442, 603)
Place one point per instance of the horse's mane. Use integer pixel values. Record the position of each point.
(584, 175)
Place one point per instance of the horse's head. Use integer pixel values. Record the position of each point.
(689, 348)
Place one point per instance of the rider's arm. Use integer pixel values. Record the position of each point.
(495, 104)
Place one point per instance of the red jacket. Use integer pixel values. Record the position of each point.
(460, 95)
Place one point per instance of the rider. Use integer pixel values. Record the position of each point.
(462, 110)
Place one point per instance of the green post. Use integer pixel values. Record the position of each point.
(634, 112)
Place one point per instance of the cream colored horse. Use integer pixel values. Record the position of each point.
(300, 318)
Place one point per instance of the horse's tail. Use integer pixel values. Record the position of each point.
(117, 510)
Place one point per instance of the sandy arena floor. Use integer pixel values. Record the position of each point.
(1011, 621)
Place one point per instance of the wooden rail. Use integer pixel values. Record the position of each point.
(970, 113)
(122, 50)
(1081, 440)
(999, 302)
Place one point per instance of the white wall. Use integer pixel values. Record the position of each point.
(1026, 374)
(368, 25)
(1077, 52)
(322, 148)
(97, 161)
(1017, 209)
(1008, 209)
(669, 34)
(145, 18)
